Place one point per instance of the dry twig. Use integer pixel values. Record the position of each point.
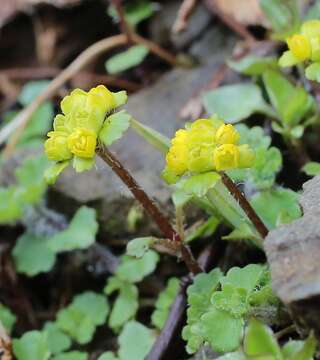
(185, 11)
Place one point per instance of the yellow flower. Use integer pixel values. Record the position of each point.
(56, 146)
(180, 138)
(82, 142)
(201, 158)
(227, 134)
(300, 46)
(226, 157)
(177, 159)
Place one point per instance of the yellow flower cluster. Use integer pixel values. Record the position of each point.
(76, 130)
(304, 46)
(206, 145)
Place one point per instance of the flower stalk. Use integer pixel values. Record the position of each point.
(149, 206)
(245, 205)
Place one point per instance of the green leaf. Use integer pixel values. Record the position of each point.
(72, 355)
(243, 232)
(31, 346)
(39, 124)
(199, 185)
(231, 299)
(51, 174)
(92, 304)
(199, 294)
(32, 255)
(253, 65)
(114, 127)
(246, 278)
(82, 164)
(139, 246)
(267, 163)
(311, 168)
(313, 72)
(135, 11)
(11, 205)
(31, 180)
(307, 351)
(109, 355)
(135, 341)
(222, 330)
(283, 16)
(164, 302)
(153, 137)
(81, 317)
(233, 356)
(57, 340)
(31, 90)
(291, 103)
(260, 341)
(206, 229)
(79, 235)
(126, 304)
(7, 318)
(126, 59)
(292, 347)
(282, 202)
(234, 103)
(134, 270)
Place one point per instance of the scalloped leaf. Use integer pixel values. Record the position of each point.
(253, 65)
(7, 318)
(198, 185)
(31, 346)
(135, 341)
(58, 341)
(139, 246)
(114, 127)
(164, 302)
(80, 233)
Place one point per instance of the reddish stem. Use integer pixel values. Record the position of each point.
(150, 207)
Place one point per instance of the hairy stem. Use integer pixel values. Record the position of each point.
(150, 207)
(244, 203)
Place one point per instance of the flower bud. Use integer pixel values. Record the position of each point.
(300, 46)
(177, 158)
(56, 146)
(227, 134)
(181, 137)
(82, 142)
(226, 157)
(201, 159)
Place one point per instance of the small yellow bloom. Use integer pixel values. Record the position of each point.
(56, 146)
(226, 157)
(201, 158)
(198, 136)
(177, 159)
(227, 134)
(82, 142)
(180, 138)
(300, 46)
(101, 98)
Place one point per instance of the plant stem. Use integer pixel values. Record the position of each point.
(244, 203)
(150, 207)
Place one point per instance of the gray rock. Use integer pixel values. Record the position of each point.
(310, 198)
(161, 25)
(293, 254)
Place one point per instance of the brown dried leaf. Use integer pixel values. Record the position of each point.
(9, 8)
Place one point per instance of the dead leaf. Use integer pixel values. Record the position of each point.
(10, 8)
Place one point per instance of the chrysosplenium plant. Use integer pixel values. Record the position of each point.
(206, 145)
(304, 48)
(77, 130)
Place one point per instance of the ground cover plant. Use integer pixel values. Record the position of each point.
(190, 276)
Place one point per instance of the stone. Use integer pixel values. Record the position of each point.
(293, 254)
(161, 25)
